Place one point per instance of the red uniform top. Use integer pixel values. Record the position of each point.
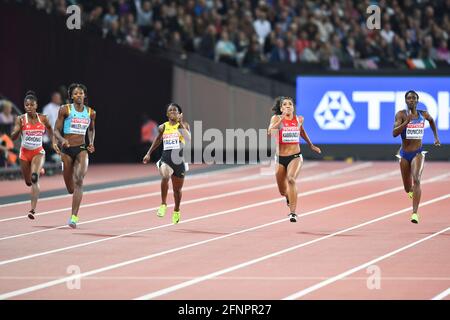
(290, 130)
(32, 133)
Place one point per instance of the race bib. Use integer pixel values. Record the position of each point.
(32, 139)
(290, 135)
(415, 130)
(171, 141)
(79, 126)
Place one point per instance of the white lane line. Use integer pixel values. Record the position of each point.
(182, 285)
(247, 190)
(307, 193)
(441, 295)
(128, 262)
(139, 184)
(342, 275)
(139, 196)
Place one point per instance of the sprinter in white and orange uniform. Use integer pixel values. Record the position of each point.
(31, 126)
(288, 128)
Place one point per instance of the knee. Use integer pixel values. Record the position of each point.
(283, 193)
(291, 180)
(28, 183)
(78, 182)
(70, 190)
(177, 191)
(416, 181)
(34, 178)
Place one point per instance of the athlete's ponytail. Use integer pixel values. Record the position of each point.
(30, 95)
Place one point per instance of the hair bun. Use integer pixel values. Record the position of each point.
(30, 93)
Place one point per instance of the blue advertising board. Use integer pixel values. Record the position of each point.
(361, 110)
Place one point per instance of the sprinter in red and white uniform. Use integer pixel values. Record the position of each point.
(31, 126)
(288, 128)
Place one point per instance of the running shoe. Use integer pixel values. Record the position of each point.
(176, 217)
(415, 218)
(73, 221)
(292, 217)
(31, 214)
(162, 210)
(410, 194)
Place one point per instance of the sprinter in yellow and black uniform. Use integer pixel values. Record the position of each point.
(173, 135)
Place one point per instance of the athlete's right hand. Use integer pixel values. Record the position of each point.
(409, 117)
(56, 148)
(146, 159)
(65, 144)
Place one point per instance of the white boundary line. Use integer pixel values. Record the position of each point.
(128, 262)
(441, 295)
(247, 190)
(182, 285)
(331, 280)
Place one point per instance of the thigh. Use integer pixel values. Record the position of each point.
(67, 165)
(25, 167)
(81, 164)
(280, 175)
(165, 170)
(294, 167)
(37, 163)
(417, 166)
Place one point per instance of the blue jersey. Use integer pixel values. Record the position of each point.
(415, 128)
(77, 122)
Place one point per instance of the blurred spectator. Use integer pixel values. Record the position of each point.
(144, 16)
(51, 111)
(7, 118)
(225, 50)
(262, 25)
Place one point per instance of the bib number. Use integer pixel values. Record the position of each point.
(171, 141)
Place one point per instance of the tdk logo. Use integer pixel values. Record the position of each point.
(334, 112)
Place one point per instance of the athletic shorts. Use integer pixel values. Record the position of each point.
(28, 155)
(409, 156)
(285, 160)
(74, 151)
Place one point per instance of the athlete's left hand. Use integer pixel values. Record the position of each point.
(437, 143)
(180, 118)
(316, 149)
(91, 148)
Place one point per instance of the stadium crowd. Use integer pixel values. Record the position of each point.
(245, 33)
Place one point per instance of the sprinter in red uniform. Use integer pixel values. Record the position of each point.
(288, 128)
(32, 126)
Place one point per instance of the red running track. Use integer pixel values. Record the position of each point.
(353, 239)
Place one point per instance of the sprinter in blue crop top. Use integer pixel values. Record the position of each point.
(74, 120)
(410, 124)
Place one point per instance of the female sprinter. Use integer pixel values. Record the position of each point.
(74, 120)
(32, 126)
(173, 135)
(288, 127)
(410, 124)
